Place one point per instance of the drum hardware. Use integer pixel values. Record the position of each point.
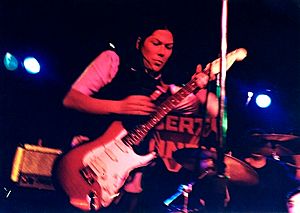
(275, 137)
(274, 150)
(236, 170)
(291, 165)
(184, 190)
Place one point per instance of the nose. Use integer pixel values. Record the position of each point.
(162, 51)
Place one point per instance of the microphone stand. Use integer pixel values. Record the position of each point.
(222, 118)
(218, 205)
(184, 190)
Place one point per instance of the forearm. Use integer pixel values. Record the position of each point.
(212, 106)
(78, 101)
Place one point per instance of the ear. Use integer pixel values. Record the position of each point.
(138, 43)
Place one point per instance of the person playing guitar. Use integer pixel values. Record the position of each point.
(129, 88)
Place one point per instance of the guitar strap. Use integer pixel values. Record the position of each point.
(158, 92)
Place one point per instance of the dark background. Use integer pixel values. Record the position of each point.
(65, 35)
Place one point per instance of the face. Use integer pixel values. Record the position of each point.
(207, 164)
(157, 49)
(293, 203)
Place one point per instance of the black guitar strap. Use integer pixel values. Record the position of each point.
(158, 92)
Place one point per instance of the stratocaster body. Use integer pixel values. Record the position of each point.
(98, 169)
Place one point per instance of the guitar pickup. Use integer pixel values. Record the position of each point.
(88, 174)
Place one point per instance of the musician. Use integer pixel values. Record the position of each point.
(209, 189)
(127, 85)
(275, 181)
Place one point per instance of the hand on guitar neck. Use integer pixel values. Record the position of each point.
(213, 68)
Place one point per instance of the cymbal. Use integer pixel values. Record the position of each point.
(239, 172)
(236, 170)
(277, 149)
(276, 137)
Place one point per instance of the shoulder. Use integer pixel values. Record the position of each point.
(105, 65)
(99, 73)
(107, 56)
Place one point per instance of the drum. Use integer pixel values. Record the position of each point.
(236, 170)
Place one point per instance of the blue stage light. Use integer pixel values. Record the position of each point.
(32, 65)
(10, 62)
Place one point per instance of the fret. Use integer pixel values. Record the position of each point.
(161, 114)
(144, 128)
(139, 132)
(152, 122)
(155, 119)
(173, 101)
(183, 94)
(165, 108)
(178, 97)
(133, 135)
(169, 105)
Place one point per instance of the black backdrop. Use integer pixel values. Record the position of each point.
(66, 35)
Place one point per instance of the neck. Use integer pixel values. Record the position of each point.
(153, 74)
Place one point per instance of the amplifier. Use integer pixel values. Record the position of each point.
(32, 166)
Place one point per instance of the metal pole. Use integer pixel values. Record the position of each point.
(222, 128)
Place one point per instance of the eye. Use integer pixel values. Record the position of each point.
(156, 43)
(169, 46)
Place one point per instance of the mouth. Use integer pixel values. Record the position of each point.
(158, 62)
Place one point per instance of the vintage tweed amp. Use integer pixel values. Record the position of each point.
(32, 166)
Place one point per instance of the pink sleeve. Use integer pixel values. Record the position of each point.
(99, 73)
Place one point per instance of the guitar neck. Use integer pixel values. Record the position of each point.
(135, 136)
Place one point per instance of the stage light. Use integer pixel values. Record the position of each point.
(250, 95)
(263, 101)
(112, 45)
(32, 65)
(10, 62)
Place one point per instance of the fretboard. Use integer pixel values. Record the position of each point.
(135, 136)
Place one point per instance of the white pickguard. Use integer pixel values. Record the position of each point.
(112, 164)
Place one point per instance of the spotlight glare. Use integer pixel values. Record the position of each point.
(112, 45)
(250, 94)
(10, 62)
(31, 65)
(263, 101)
